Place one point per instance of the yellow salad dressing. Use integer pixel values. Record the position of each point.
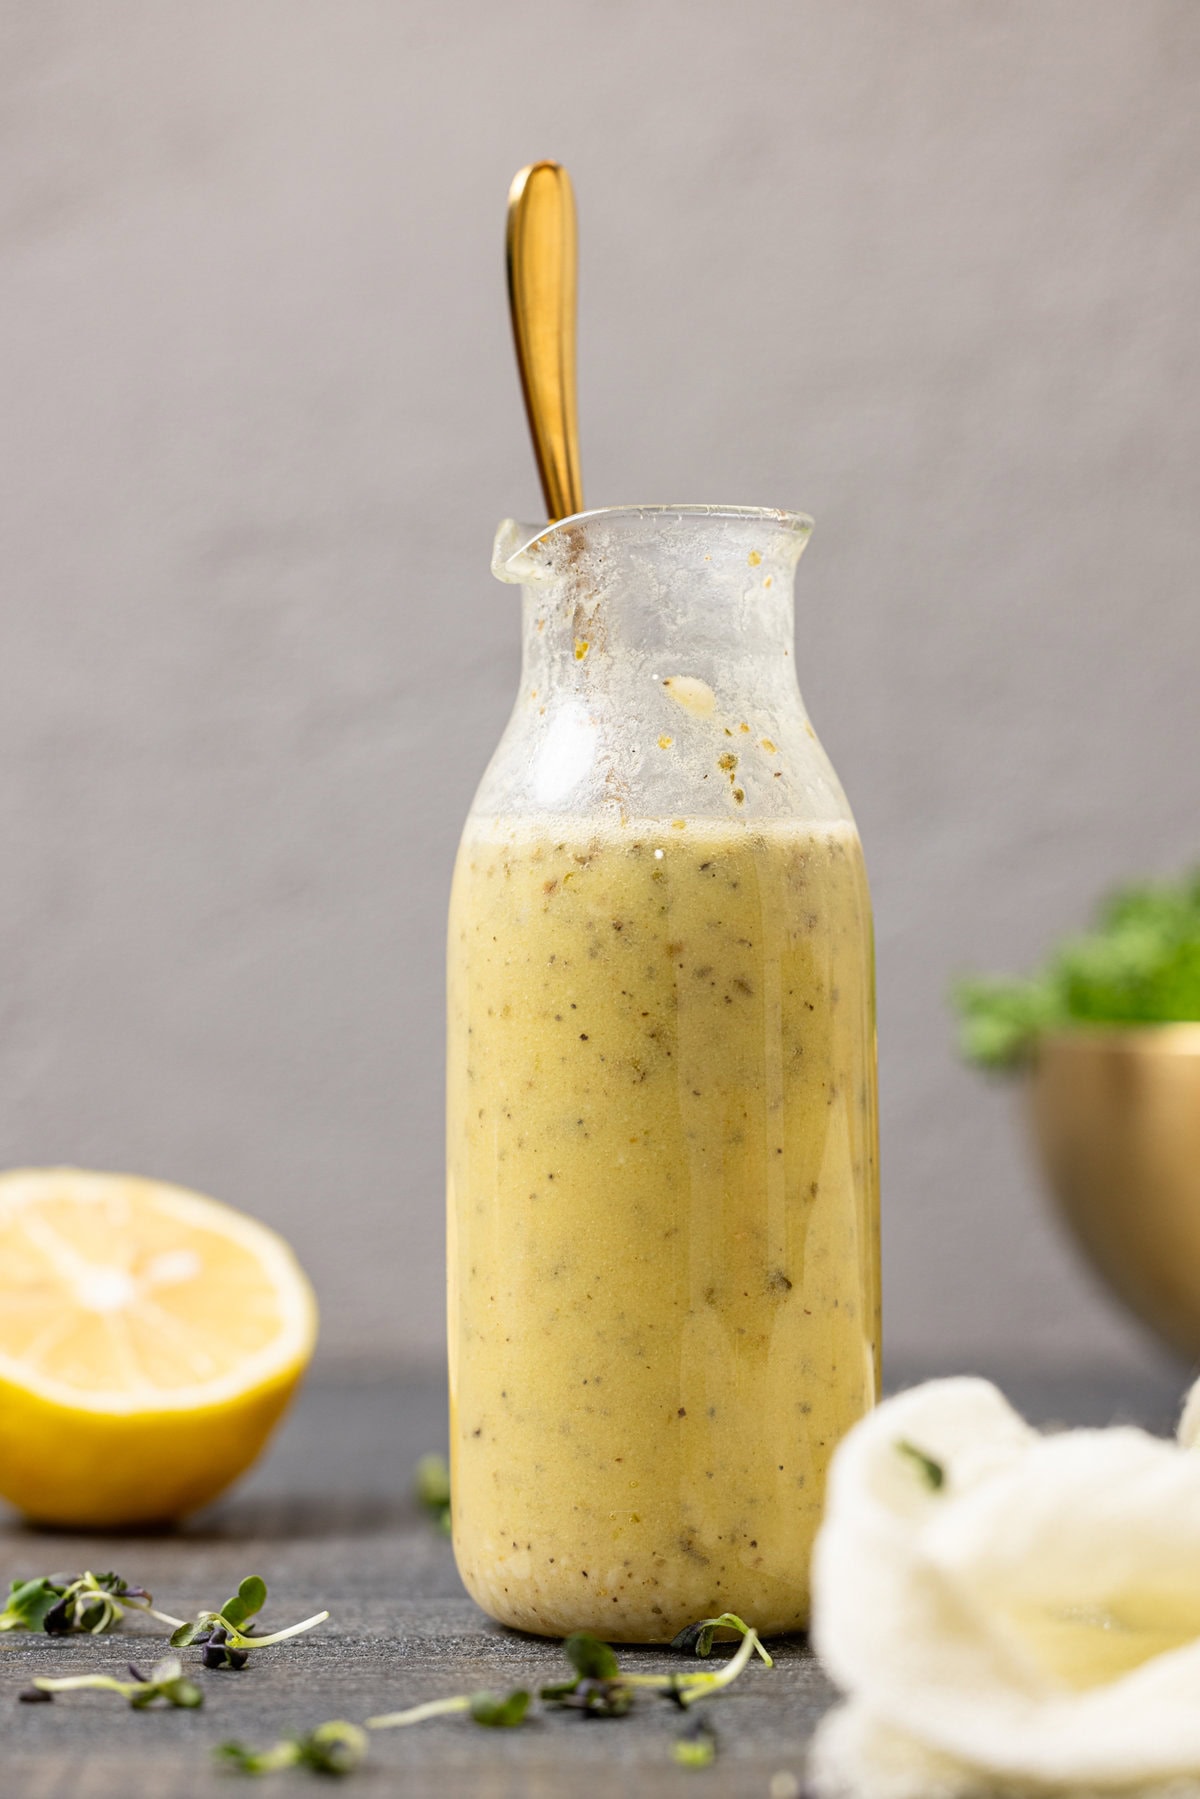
(663, 1213)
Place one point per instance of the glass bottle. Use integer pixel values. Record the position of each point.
(663, 1188)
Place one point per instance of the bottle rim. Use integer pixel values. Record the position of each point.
(515, 540)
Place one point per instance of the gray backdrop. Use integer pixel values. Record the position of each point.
(930, 271)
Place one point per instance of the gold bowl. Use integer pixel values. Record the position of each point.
(1116, 1114)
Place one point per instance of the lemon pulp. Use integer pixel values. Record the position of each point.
(149, 1340)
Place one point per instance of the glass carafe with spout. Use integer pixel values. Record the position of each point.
(663, 1188)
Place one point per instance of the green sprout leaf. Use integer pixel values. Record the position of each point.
(66, 1604)
(590, 1658)
(696, 1744)
(1139, 965)
(432, 1488)
(332, 1748)
(249, 1599)
(697, 1639)
(28, 1602)
(931, 1472)
(240, 1759)
(1001, 1020)
(500, 1714)
(599, 1689)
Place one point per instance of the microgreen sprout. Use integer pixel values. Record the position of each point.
(599, 1689)
(484, 1708)
(166, 1681)
(688, 1689)
(697, 1639)
(61, 1604)
(602, 1689)
(1138, 965)
(226, 1635)
(931, 1472)
(500, 1714)
(432, 1488)
(696, 1744)
(332, 1748)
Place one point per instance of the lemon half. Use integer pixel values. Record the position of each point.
(149, 1341)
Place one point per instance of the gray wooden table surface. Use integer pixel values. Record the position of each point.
(328, 1521)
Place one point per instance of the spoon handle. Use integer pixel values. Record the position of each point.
(541, 296)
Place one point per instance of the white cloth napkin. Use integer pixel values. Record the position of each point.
(1008, 1613)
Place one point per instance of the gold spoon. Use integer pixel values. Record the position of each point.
(541, 296)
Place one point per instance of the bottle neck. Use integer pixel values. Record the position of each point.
(597, 644)
(658, 676)
(623, 595)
